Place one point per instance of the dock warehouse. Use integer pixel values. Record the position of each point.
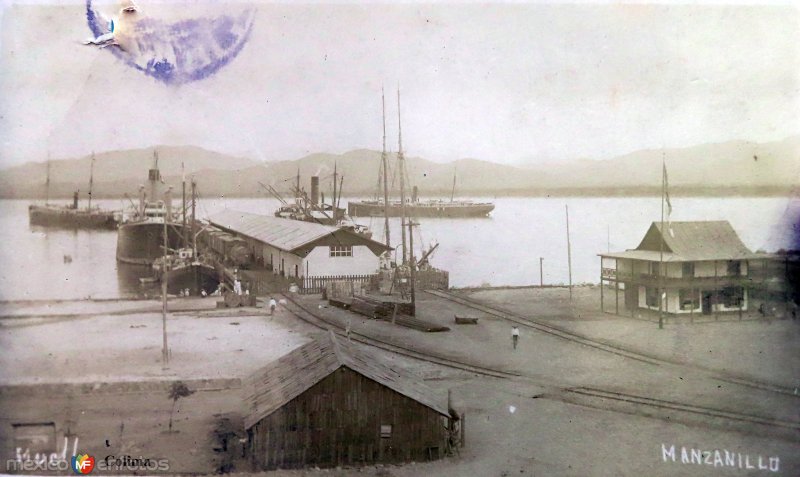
(705, 269)
(328, 403)
(294, 248)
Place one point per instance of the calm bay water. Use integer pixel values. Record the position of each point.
(501, 250)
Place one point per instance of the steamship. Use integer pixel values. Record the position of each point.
(414, 207)
(140, 239)
(71, 216)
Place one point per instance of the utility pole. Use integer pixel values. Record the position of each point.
(541, 272)
(164, 349)
(385, 165)
(401, 163)
(413, 265)
(569, 254)
(661, 248)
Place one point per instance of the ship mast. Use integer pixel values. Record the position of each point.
(401, 164)
(91, 181)
(194, 219)
(183, 201)
(47, 183)
(333, 201)
(385, 167)
(453, 192)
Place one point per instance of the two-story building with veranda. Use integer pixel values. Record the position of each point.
(703, 267)
(302, 250)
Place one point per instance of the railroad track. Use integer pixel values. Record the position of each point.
(662, 404)
(564, 334)
(576, 395)
(306, 315)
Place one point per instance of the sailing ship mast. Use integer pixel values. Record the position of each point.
(47, 183)
(183, 201)
(453, 192)
(91, 181)
(402, 166)
(385, 167)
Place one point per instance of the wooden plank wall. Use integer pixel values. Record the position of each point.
(338, 422)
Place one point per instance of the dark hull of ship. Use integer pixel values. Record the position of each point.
(64, 217)
(195, 277)
(421, 209)
(140, 243)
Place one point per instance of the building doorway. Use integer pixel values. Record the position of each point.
(707, 301)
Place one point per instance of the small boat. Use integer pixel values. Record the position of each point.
(185, 272)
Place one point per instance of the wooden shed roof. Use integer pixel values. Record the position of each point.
(285, 234)
(274, 385)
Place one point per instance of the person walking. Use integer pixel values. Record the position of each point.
(272, 305)
(514, 336)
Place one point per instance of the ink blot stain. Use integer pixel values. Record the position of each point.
(179, 52)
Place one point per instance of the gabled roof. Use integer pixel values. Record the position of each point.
(285, 234)
(274, 385)
(689, 241)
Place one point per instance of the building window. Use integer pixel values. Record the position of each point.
(651, 296)
(341, 250)
(688, 271)
(655, 267)
(733, 297)
(689, 299)
(734, 268)
(386, 431)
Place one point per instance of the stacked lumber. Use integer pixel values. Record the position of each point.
(418, 324)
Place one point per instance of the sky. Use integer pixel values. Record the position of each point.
(505, 82)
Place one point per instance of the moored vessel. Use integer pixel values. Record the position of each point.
(72, 216)
(140, 238)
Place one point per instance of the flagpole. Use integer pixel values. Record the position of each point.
(661, 246)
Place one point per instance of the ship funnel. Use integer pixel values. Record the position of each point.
(75, 200)
(414, 194)
(314, 190)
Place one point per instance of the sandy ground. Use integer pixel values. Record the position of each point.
(112, 346)
(542, 436)
(762, 349)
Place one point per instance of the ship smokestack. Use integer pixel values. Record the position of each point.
(75, 200)
(414, 194)
(314, 190)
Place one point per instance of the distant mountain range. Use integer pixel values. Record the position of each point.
(729, 168)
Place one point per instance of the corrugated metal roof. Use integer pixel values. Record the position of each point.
(274, 385)
(285, 234)
(690, 241)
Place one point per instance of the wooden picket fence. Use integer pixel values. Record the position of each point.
(313, 285)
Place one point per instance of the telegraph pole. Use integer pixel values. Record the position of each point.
(164, 349)
(413, 265)
(541, 272)
(569, 254)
